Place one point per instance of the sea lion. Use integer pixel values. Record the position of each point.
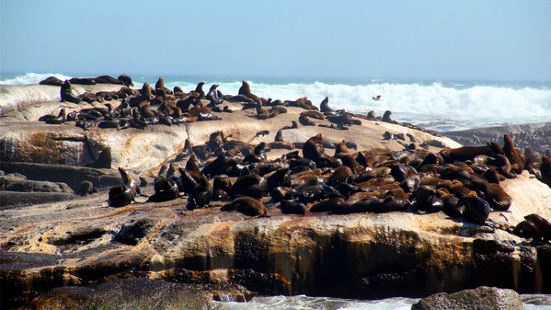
(212, 95)
(123, 194)
(66, 93)
(426, 199)
(313, 114)
(82, 81)
(53, 119)
(302, 102)
(545, 169)
(248, 206)
(106, 79)
(221, 165)
(328, 205)
(292, 207)
(88, 97)
(386, 117)
(262, 113)
(476, 209)
(465, 153)
(515, 155)
(160, 89)
(541, 225)
(165, 189)
(51, 80)
(245, 90)
(125, 80)
(341, 119)
(305, 121)
(341, 148)
(341, 174)
(324, 106)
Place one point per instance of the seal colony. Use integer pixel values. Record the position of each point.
(237, 176)
(266, 202)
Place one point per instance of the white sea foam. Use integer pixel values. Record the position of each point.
(31, 78)
(302, 302)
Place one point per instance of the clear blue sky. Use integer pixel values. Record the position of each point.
(493, 40)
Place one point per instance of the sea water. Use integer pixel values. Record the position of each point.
(438, 105)
(302, 302)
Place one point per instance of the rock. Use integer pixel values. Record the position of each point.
(18, 199)
(481, 298)
(18, 185)
(483, 246)
(132, 232)
(70, 175)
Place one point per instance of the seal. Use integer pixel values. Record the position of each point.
(66, 93)
(545, 169)
(165, 189)
(53, 119)
(107, 79)
(386, 117)
(476, 209)
(82, 81)
(305, 121)
(125, 80)
(324, 106)
(52, 81)
(328, 205)
(212, 95)
(515, 155)
(292, 207)
(245, 90)
(248, 206)
(120, 196)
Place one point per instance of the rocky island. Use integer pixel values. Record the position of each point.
(110, 188)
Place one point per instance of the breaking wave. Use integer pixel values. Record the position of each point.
(439, 106)
(31, 78)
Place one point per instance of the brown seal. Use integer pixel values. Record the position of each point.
(545, 169)
(515, 155)
(51, 80)
(245, 90)
(246, 205)
(324, 106)
(66, 93)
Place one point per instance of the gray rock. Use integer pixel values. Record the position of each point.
(134, 231)
(17, 184)
(481, 298)
(17, 199)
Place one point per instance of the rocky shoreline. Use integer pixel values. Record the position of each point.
(83, 241)
(536, 136)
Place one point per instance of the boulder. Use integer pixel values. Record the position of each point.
(481, 298)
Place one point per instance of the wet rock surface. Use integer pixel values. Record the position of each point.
(536, 136)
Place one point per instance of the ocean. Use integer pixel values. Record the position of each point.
(302, 302)
(438, 105)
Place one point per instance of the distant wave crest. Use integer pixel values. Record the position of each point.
(31, 78)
